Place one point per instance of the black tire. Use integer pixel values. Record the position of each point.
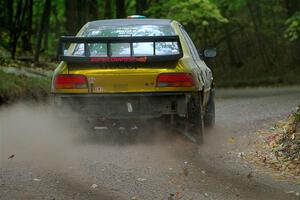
(209, 117)
(194, 124)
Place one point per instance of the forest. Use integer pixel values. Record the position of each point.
(258, 41)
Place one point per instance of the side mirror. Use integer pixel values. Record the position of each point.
(210, 53)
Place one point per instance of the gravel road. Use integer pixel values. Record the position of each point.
(57, 160)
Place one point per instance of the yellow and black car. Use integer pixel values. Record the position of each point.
(136, 69)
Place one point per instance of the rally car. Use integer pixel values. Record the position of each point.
(137, 69)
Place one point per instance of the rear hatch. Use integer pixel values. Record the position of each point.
(124, 78)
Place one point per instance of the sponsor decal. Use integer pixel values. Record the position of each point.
(92, 79)
(118, 59)
(98, 89)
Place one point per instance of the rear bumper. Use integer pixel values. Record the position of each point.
(126, 105)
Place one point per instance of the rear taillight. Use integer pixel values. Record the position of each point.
(175, 80)
(70, 81)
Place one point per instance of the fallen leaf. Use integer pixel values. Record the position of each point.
(250, 175)
(94, 186)
(171, 197)
(185, 171)
(173, 180)
(178, 195)
(231, 140)
(241, 154)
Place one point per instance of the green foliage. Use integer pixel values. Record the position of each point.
(292, 31)
(4, 43)
(198, 16)
(198, 12)
(232, 5)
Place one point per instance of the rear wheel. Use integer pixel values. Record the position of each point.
(209, 118)
(194, 125)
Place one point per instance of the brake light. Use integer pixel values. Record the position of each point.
(71, 81)
(175, 80)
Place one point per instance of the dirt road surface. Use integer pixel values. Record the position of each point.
(54, 159)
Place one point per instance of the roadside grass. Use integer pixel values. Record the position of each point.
(278, 148)
(20, 87)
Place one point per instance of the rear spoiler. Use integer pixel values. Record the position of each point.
(86, 58)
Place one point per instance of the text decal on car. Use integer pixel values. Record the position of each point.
(118, 59)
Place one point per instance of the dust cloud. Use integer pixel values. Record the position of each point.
(40, 135)
(36, 133)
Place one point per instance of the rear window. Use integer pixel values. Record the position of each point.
(129, 30)
(123, 49)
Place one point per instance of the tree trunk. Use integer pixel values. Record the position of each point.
(260, 44)
(71, 17)
(81, 10)
(231, 51)
(120, 9)
(107, 9)
(292, 6)
(13, 30)
(26, 37)
(45, 16)
(141, 6)
(8, 13)
(46, 32)
(93, 13)
(17, 26)
(57, 22)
